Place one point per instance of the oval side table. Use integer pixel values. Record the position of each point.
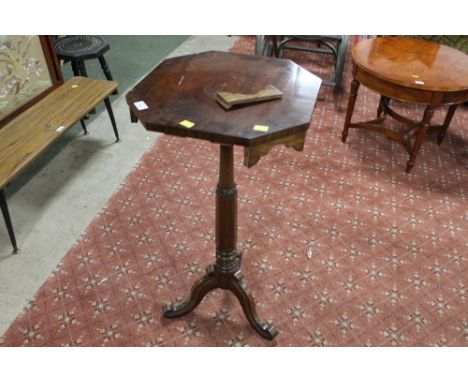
(412, 71)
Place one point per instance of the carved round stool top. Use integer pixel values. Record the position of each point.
(81, 47)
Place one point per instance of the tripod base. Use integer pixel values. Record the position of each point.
(230, 281)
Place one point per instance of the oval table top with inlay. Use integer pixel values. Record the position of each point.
(413, 63)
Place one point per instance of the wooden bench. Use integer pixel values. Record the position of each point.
(24, 138)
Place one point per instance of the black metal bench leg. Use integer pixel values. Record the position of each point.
(111, 116)
(106, 71)
(6, 216)
(83, 125)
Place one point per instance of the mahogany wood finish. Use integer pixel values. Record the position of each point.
(413, 71)
(253, 154)
(185, 88)
(225, 273)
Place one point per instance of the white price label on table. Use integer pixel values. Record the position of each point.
(140, 105)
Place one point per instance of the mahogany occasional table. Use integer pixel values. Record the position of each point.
(413, 71)
(179, 98)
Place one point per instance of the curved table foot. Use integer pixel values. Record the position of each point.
(230, 281)
(199, 290)
(237, 286)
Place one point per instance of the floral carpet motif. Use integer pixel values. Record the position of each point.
(341, 247)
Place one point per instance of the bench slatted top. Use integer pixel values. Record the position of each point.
(24, 138)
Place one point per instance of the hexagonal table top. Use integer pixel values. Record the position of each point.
(185, 89)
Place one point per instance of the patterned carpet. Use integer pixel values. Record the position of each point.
(341, 246)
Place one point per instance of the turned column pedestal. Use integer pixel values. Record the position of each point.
(225, 273)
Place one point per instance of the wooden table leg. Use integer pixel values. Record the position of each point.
(225, 273)
(382, 106)
(448, 118)
(428, 113)
(350, 109)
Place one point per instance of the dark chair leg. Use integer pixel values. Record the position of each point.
(340, 61)
(6, 216)
(106, 71)
(111, 116)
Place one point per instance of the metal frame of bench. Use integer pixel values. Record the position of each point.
(6, 216)
(71, 114)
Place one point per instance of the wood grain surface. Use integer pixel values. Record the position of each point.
(185, 88)
(413, 63)
(227, 99)
(412, 71)
(24, 138)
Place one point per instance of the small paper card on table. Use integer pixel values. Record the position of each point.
(186, 123)
(141, 105)
(262, 128)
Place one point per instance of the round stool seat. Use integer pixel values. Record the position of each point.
(81, 47)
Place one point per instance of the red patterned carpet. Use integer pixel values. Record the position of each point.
(341, 247)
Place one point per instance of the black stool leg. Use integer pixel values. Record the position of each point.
(85, 74)
(6, 216)
(111, 116)
(82, 69)
(106, 71)
(76, 68)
